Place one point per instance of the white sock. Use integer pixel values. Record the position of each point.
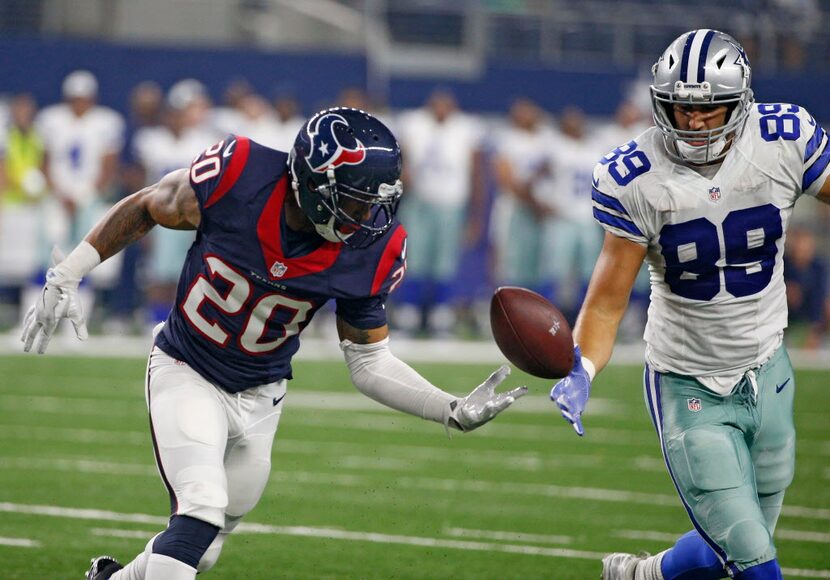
(160, 567)
(136, 569)
(649, 569)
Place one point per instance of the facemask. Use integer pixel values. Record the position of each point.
(697, 154)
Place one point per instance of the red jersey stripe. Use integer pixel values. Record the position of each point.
(239, 158)
(390, 255)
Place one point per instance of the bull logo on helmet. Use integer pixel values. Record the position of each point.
(327, 151)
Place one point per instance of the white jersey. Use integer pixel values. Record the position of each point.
(161, 151)
(76, 147)
(439, 156)
(715, 244)
(571, 163)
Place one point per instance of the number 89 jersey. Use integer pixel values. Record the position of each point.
(715, 240)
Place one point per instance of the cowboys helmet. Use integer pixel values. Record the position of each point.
(701, 67)
(345, 171)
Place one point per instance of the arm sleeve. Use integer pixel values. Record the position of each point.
(381, 376)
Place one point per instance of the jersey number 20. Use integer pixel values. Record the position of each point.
(234, 302)
(692, 252)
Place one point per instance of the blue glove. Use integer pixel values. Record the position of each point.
(571, 393)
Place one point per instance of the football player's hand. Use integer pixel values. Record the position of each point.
(571, 393)
(57, 300)
(484, 402)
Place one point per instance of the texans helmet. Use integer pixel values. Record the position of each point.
(701, 67)
(345, 171)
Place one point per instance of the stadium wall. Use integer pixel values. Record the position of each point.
(38, 66)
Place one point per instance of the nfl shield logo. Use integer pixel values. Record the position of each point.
(714, 193)
(278, 269)
(694, 405)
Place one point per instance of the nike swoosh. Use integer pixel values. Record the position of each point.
(278, 399)
(229, 149)
(779, 388)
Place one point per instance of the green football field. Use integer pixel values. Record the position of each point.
(357, 491)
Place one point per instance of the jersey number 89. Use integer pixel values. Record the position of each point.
(692, 252)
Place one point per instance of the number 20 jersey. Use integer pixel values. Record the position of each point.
(249, 285)
(715, 245)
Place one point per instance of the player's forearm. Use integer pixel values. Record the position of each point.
(595, 333)
(126, 222)
(381, 376)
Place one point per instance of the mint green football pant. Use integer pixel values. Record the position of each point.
(730, 457)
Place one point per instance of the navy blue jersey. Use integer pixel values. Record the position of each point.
(249, 286)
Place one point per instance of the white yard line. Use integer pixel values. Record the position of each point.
(504, 536)
(802, 536)
(403, 482)
(414, 350)
(19, 543)
(340, 534)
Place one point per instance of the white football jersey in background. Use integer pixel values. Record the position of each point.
(439, 156)
(76, 146)
(715, 241)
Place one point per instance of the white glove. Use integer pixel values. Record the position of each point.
(483, 403)
(58, 300)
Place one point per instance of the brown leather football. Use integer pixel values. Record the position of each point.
(531, 332)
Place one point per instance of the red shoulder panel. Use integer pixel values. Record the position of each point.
(239, 158)
(390, 255)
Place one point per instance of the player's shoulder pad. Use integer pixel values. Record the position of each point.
(216, 169)
(802, 141)
(391, 265)
(616, 191)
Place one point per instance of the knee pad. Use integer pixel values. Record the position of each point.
(186, 539)
(201, 494)
(748, 543)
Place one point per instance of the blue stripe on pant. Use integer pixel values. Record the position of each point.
(653, 399)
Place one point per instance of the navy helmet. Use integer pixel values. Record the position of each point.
(345, 172)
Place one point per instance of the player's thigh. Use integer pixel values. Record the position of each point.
(560, 247)
(520, 253)
(190, 431)
(248, 456)
(773, 449)
(590, 246)
(448, 235)
(416, 218)
(711, 467)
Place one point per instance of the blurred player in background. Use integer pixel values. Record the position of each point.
(442, 167)
(277, 236)
(521, 166)
(705, 198)
(570, 235)
(82, 143)
(22, 189)
(160, 150)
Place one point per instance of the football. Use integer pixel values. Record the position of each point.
(531, 332)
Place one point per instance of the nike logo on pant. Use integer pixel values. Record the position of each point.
(779, 388)
(278, 399)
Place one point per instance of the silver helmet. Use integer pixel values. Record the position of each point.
(701, 67)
